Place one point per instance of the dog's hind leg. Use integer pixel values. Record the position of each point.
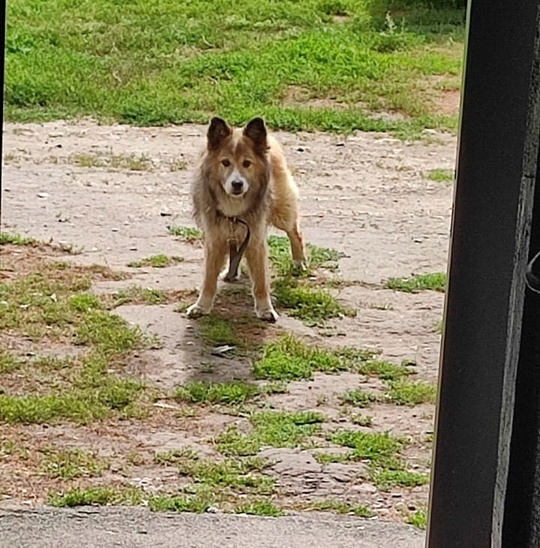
(256, 256)
(232, 274)
(214, 258)
(297, 246)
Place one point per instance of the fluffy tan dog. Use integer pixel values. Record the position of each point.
(242, 185)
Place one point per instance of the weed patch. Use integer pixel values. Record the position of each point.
(72, 463)
(310, 304)
(359, 398)
(272, 429)
(15, 239)
(441, 175)
(421, 282)
(230, 393)
(156, 261)
(197, 504)
(404, 392)
(289, 358)
(317, 257)
(186, 233)
(259, 508)
(102, 496)
(418, 519)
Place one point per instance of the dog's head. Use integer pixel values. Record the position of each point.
(239, 157)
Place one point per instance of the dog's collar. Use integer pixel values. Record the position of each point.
(235, 253)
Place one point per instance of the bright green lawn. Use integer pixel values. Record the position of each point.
(303, 64)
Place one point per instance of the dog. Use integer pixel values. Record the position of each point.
(241, 186)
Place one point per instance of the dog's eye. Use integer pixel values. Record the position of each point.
(246, 163)
(225, 162)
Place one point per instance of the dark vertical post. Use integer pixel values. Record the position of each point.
(3, 23)
(497, 158)
(522, 512)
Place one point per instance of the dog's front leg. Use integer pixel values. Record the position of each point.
(214, 258)
(257, 258)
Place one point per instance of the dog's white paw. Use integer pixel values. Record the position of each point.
(268, 314)
(196, 311)
(299, 266)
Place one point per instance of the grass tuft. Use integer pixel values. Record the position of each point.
(259, 508)
(359, 398)
(156, 261)
(227, 393)
(418, 519)
(15, 239)
(102, 496)
(404, 392)
(272, 429)
(310, 304)
(186, 233)
(421, 282)
(441, 175)
(73, 463)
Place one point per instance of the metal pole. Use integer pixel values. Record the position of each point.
(3, 23)
(497, 157)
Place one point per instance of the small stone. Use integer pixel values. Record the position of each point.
(42, 195)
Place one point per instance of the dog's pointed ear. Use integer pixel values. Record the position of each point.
(217, 132)
(256, 131)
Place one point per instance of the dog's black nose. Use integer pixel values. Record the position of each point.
(237, 185)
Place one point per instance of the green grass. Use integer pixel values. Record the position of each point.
(421, 282)
(441, 175)
(317, 257)
(381, 450)
(51, 304)
(289, 358)
(312, 305)
(263, 507)
(224, 477)
(385, 479)
(376, 447)
(198, 503)
(135, 294)
(404, 392)
(384, 370)
(115, 397)
(8, 362)
(80, 496)
(303, 299)
(272, 429)
(186, 233)
(68, 464)
(226, 393)
(129, 162)
(156, 261)
(214, 330)
(231, 475)
(359, 398)
(418, 519)
(176, 456)
(15, 239)
(362, 420)
(174, 62)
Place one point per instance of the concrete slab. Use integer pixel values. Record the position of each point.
(139, 528)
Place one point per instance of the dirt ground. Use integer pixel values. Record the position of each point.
(366, 195)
